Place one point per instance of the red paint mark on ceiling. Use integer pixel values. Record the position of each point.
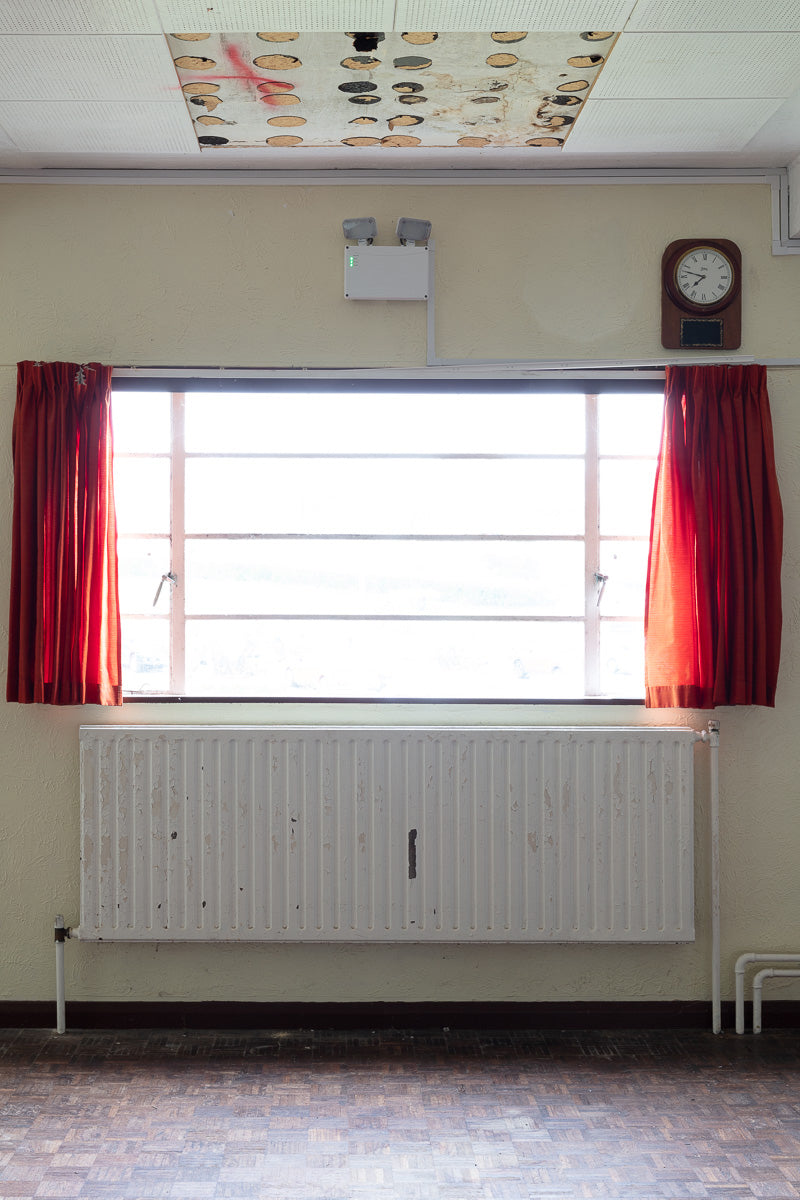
(248, 74)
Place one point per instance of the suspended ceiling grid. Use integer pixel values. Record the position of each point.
(94, 83)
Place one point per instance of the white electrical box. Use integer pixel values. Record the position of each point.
(386, 273)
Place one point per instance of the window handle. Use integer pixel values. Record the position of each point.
(600, 583)
(170, 577)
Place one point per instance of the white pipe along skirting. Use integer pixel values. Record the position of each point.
(768, 973)
(743, 961)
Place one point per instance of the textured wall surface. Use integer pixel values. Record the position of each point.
(252, 277)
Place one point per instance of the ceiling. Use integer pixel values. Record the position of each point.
(507, 84)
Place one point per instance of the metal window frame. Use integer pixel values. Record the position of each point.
(592, 539)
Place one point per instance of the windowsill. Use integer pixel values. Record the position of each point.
(284, 700)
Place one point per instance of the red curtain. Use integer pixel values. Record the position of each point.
(713, 609)
(64, 629)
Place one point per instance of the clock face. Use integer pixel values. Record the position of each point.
(704, 276)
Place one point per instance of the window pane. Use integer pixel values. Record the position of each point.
(141, 493)
(449, 523)
(622, 659)
(625, 564)
(142, 562)
(629, 424)
(141, 422)
(400, 659)
(626, 497)
(145, 654)
(388, 496)
(381, 422)
(407, 578)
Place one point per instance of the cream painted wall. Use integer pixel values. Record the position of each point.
(252, 277)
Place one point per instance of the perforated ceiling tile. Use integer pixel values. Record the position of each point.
(79, 16)
(98, 128)
(243, 15)
(736, 65)
(6, 142)
(553, 15)
(91, 68)
(668, 126)
(716, 15)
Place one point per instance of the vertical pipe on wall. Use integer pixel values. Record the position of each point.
(61, 1008)
(716, 1005)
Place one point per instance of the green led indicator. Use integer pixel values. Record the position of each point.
(352, 260)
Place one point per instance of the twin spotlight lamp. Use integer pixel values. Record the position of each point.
(364, 230)
(386, 272)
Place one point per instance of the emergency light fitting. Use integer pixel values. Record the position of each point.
(410, 230)
(386, 272)
(360, 229)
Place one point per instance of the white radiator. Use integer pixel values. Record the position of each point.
(199, 833)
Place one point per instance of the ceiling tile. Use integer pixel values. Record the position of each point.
(92, 68)
(242, 15)
(544, 15)
(6, 142)
(701, 65)
(716, 15)
(80, 16)
(669, 126)
(95, 127)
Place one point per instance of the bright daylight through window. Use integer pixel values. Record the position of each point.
(402, 544)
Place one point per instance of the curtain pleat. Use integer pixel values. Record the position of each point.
(713, 606)
(64, 626)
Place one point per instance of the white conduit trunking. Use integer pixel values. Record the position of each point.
(742, 962)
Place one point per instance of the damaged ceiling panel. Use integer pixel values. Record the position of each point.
(507, 88)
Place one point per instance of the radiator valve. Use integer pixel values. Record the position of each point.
(61, 931)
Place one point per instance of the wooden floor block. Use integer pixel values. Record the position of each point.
(522, 1115)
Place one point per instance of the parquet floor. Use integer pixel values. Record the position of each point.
(450, 1115)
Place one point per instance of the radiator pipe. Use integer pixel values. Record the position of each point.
(767, 973)
(61, 935)
(743, 961)
(712, 739)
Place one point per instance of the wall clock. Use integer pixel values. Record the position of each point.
(701, 295)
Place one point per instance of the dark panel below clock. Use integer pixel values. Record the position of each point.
(723, 331)
(697, 333)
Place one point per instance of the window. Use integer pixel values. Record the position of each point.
(391, 544)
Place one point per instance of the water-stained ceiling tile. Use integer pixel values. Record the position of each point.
(499, 87)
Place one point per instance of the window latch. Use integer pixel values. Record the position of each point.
(600, 583)
(170, 577)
